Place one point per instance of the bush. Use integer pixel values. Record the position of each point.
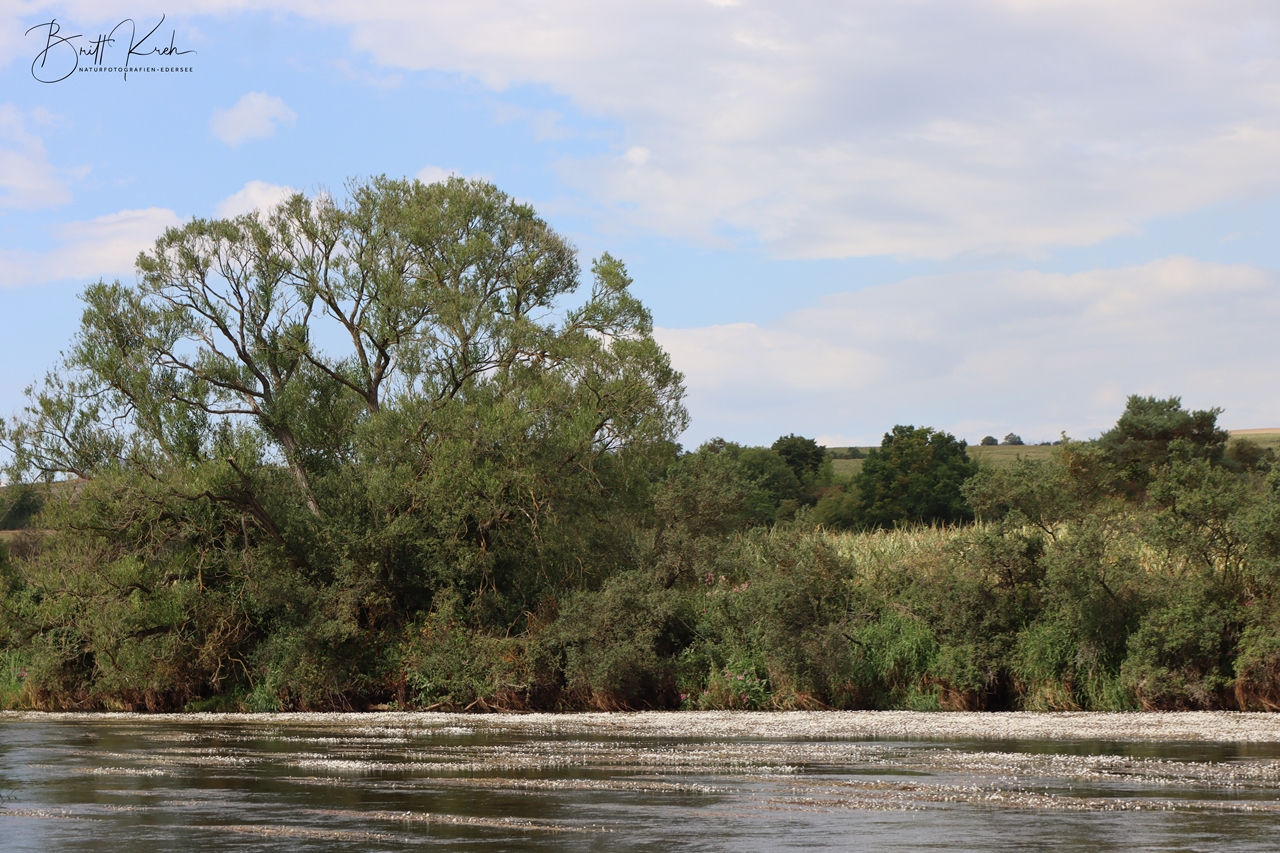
(19, 504)
(1181, 655)
(686, 581)
(620, 645)
(13, 680)
(1257, 666)
(452, 665)
(1244, 455)
(839, 509)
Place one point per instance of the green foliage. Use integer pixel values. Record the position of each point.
(896, 653)
(839, 508)
(989, 441)
(772, 613)
(1043, 494)
(449, 663)
(1146, 596)
(803, 455)
(915, 476)
(766, 481)
(117, 612)
(1243, 455)
(740, 685)
(476, 502)
(1181, 655)
(19, 504)
(13, 679)
(1095, 592)
(705, 498)
(620, 645)
(1257, 662)
(253, 512)
(1140, 441)
(771, 473)
(1013, 439)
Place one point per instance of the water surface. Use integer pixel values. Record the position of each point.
(740, 782)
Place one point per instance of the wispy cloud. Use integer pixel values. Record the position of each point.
(103, 247)
(254, 116)
(938, 128)
(545, 124)
(829, 129)
(255, 195)
(981, 354)
(27, 179)
(373, 81)
(434, 174)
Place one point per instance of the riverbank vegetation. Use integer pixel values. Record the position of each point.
(386, 454)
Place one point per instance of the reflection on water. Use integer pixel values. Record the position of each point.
(396, 782)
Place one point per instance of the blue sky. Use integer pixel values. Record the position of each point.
(980, 216)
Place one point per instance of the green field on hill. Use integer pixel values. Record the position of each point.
(1269, 438)
(1003, 455)
(998, 456)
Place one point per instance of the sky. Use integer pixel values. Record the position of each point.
(984, 216)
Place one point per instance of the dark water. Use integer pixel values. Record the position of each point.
(159, 784)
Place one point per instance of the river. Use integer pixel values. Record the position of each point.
(609, 782)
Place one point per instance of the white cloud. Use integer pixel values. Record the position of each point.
(254, 116)
(545, 124)
(434, 174)
(255, 195)
(978, 354)
(388, 81)
(27, 179)
(931, 128)
(12, 29)
(102, 247)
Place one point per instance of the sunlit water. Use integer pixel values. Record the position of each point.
(729, 782)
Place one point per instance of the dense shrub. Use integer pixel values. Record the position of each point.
(620, 645)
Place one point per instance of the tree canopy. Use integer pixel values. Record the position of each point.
(1141, 439)
(915, 475)
(333, 412)
(803, 455)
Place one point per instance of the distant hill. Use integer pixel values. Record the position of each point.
(1264, 437)
(1003, 454)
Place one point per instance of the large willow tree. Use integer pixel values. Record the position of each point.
(301, 430)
